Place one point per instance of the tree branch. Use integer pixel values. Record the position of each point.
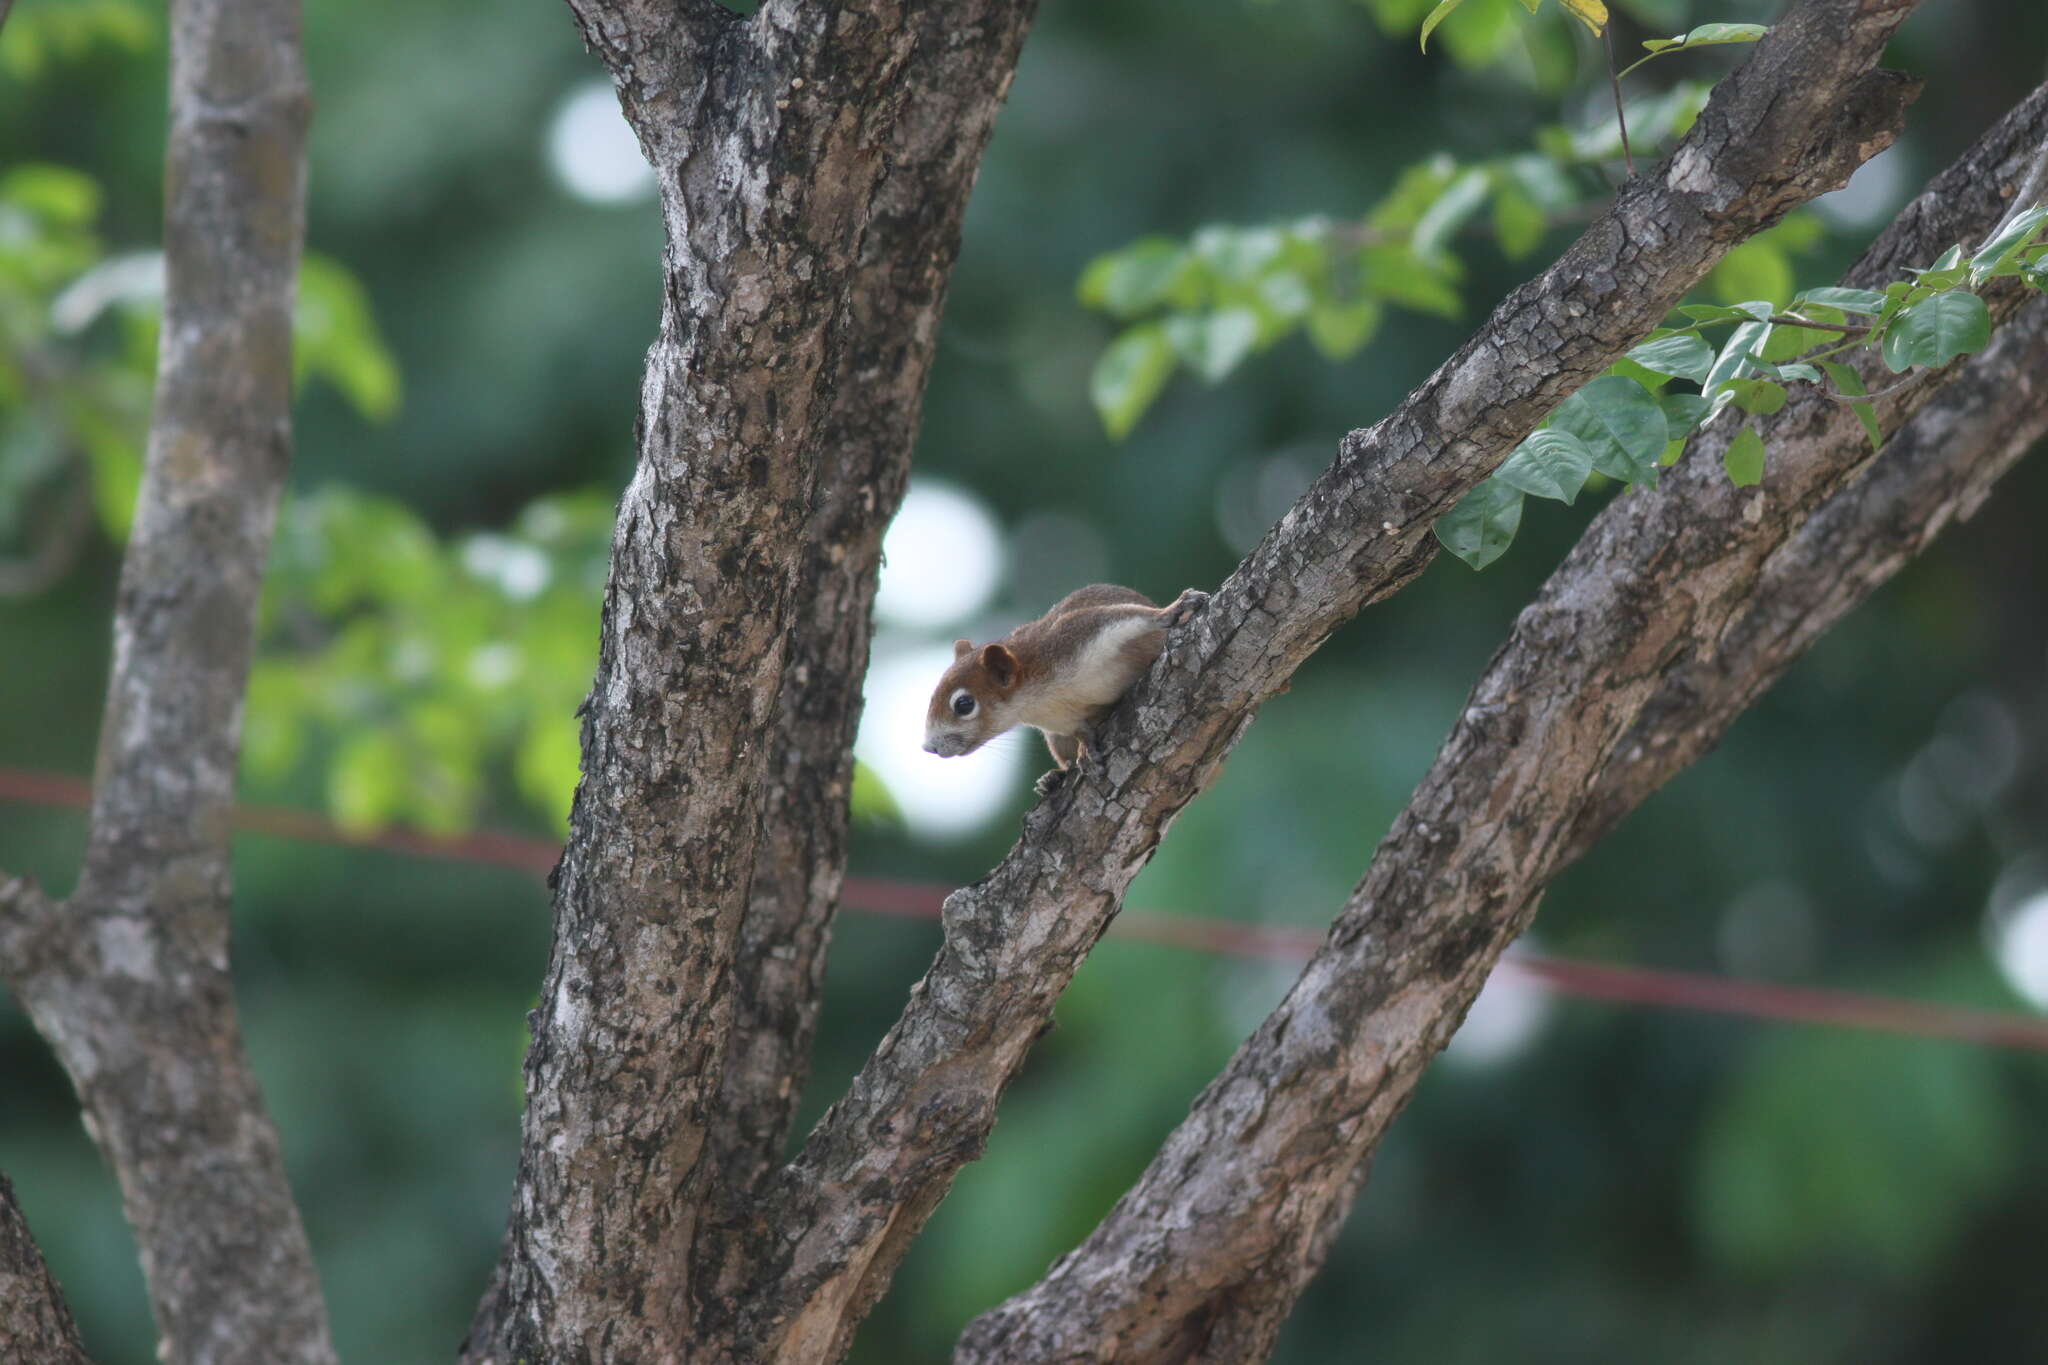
(1794, 121)
(1204, 1256)
(35, 1324)
(128, 980)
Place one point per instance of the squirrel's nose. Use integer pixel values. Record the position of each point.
(931, 746)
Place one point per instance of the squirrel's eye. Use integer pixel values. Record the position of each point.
(963, 703)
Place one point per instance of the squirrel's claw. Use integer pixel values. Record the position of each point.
(1183, 607)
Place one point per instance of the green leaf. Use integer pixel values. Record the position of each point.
(1799, 371)
(1620, 422)
(1759, 396)
(1518, 220)
(1437, 16)
(1460, 199)
(335, 336)
(1479, 34)
(1708, 313)
(1686, 355)
(1241, 254)
(1936, 331)
(871, 801)
(1756, 269)
(1136, 279)
(1550, 464)
(367, 783)
(1848, 381)
(1591, 13)
(1212, 344)
(1649, 379)
(1734, 361)
(1865, 301)
(1683, 412)
(1788, 343)
(1341, 330)
(1709, 35)
(1415, 189)
(1744, 459)
(548, 763)
(1398, 275)
(1282, 299)
(1482, 526)
(56, 194)
(1129, 376)
(2007, 244)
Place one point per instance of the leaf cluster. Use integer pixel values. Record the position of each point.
(1226, 293)
(1635, 419)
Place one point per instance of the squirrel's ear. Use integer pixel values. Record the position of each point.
(961, 649)
(1000, 663)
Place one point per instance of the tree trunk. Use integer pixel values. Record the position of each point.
(814, 165)
(128, 979)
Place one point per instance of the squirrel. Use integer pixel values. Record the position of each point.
(1060, 674)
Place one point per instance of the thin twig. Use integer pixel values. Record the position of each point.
(1620, 117)
(1794, 320)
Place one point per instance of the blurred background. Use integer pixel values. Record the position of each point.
(1230, 230)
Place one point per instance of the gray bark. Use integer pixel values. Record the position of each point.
(128, 978)
(35, 1323)
(814, 164)
(1796, 120)
(1676, 608)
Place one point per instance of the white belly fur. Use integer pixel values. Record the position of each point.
(1099, 676)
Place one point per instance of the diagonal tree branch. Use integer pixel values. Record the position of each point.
(1792, 122)
(1204, 1256)
(35, 1324)
(128, 979)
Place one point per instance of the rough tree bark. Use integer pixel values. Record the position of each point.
(1690, 599)
(128, 977)
(814, 164)
(641, 1049)
(1794, 121)
(35, 1325)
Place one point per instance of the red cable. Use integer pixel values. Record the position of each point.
(923, 900)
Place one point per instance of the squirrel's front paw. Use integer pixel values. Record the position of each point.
(1190, 601)
(1050, 781)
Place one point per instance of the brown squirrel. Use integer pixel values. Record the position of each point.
(1060, 674)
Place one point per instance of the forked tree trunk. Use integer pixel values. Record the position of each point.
(814, 162)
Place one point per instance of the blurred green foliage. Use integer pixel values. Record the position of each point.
(1627, 1185)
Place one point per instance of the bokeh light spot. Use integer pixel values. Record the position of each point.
(942, 560)
(592, 150)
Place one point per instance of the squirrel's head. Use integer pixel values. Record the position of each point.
(970, 705)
